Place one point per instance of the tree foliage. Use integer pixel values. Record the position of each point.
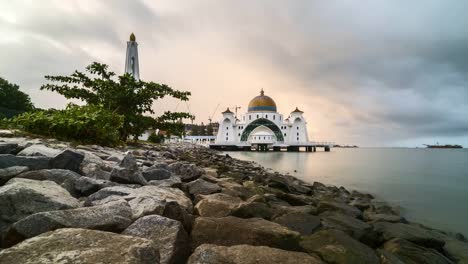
(12, 100)
(122, 95)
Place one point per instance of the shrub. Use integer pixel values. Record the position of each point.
(155, 138)
(87, 124)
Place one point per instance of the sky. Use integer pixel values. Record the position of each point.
(368, 72)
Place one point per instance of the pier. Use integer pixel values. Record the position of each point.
(305, 147)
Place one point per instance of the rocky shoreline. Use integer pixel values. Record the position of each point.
(181, 203)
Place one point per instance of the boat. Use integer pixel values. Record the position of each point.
(444, 146)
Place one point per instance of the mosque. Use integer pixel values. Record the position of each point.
(263, 128)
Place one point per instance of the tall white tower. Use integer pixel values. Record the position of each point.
(131, 61)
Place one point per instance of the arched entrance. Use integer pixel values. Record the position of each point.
(262, 122)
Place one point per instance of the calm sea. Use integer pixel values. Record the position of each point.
(429, 185)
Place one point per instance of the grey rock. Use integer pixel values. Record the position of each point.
(339, 207)
(113, 217)
(172, 181)
(252, 208)
(67, 160)
(33, 163)
(72, 245)
(411, 253)
(128, 172)
(186, 171)
(303, 223)
(95, 171)
(39, 150)
(10, 148)
(456, 249)
(202, 187)
(168, 235)
(217, 205)
(175, 211)
(335, 246)
(246, 254)
(350, 225)
(156, 174)
(22, 197)
(10, 172)
(228, 231)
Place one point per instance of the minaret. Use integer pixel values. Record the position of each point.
(131, 61)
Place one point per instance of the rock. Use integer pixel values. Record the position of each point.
(95, 171)
(457, 250)
(235, 189)
(202, 187)
(176, 212)
(39, 150)
(22, 197)
(217, 205)
(156, 174)
(338, 207)
(10, 172)
(67, 160)
(115, 158)
(113, 217)
(410, 253)
(228, 231)
(172, 181)
(159, 165)
(246, 254)
(388, 258)
(295, 199)
(72, 245)
(168, 235)
(151, 199)
(303, 223)
(186, 171)
(335, 246)
(285, 209)
(373, 217)
(7, 133)
(128, 172)
(252, 208)
(348, 224)
(413, 233)
(9, 148)
(33, 163)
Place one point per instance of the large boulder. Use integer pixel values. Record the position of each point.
(303, 223)
(128, 172)
(458, 250)
(22, 197)
(335, 246)
(254, 208)
(39, 150)
(228, 231)
(217, 205)
(70, 245)
(186, 171)
(202, 187)
(33, 163)
(9, 148)
(67, 160)
(156, 174)
(339, 207)
(246, 254)
(411, 253)
(10, 172)
(172, 181)
(168, 235)
(410, 232)
(115, 217)
(352, 226)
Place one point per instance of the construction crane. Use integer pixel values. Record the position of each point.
(235, 109)
(210, 118)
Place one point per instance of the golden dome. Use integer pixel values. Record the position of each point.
(262, 103)
(132, 37)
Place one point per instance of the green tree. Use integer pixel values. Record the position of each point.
(12, 100)
(209, 129)
(124, 96)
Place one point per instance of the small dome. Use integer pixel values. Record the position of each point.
(132, 37)
(262, 103)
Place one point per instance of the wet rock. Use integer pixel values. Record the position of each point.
(10, 172)
(246, 254)
(236, 189)
(67, 160)
(456, 249)
(338, 207)
(228, 231)
(156, 174)
(10, 148)
(39, 150)
(33, 163)
(186, 171)
(252, 208)
(71, 245)
(168, 235)
(202, 187)
(412, 233)
(22, 197)
(350, 225)
(410, 253)
(335, 246)
(388, 258)
(172, 181)
(217, 205)
(296, 200)
(114, 217)
(128, 172)
(303, 223)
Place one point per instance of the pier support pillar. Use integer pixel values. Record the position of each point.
(276, 148)
(327, 148)
(314, 149)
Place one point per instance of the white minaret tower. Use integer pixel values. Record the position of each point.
(131, 61)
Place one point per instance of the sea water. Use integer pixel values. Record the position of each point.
(429, 185)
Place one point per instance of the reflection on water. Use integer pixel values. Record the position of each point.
(430, 185)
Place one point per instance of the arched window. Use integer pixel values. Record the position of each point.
(297, 128)
(227, 139)
(284, 134)
(257, 116)
(239, 134)
(274, 117)
(298, 133)
(297, 139)
(250, 117)
(266, 116)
